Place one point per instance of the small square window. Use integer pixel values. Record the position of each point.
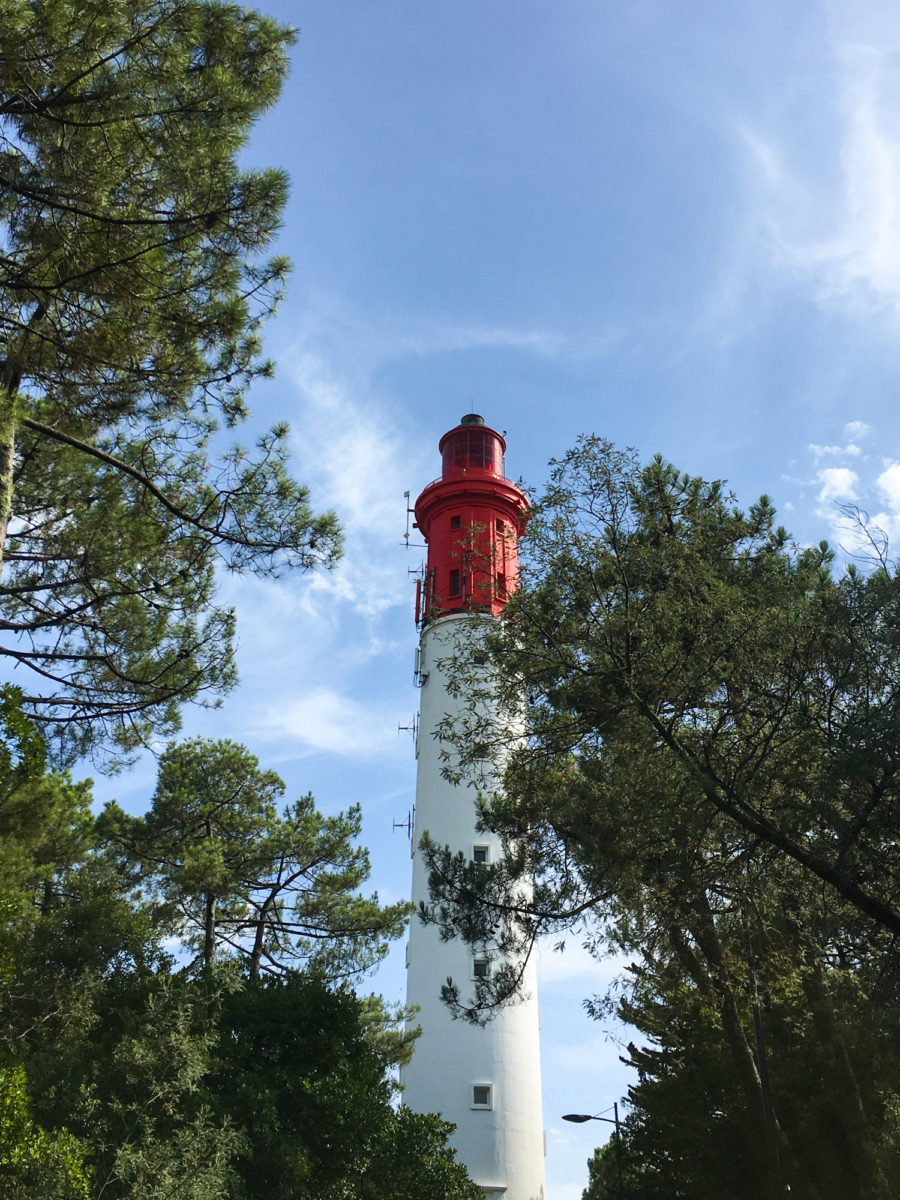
(481, 968)
(481, 1096)
(455, 522)
(501, 525)
(480, 854)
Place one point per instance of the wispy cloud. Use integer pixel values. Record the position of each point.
(310, 646)
(358, 460)
(334, 332)
(355, 452)
(324, 719)
(830, 451)
(824, 210)
(543, 343)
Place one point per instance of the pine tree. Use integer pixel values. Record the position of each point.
(133, 284)
(276, 886)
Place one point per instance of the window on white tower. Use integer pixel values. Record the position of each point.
(481, 854)
(481, 968)
(482, 1095)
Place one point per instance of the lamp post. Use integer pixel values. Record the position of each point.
(580, 1118)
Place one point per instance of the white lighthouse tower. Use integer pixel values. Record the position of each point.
(487, 1080)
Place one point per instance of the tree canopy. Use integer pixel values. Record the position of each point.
(133, 284)
(278, 887)
(128, 1073)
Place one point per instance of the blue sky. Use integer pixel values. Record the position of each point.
(673, 224)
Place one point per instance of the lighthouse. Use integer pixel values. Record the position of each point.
(486, 1080)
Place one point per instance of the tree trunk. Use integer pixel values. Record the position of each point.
(8, 425)
(209, 938)
(713, 986)
(10, 413)
(256, 954)
(779, 1154)
(848, 1106)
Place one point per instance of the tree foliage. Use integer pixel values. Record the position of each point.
(132, 288)
(34, 1162)
(276, 888)
(298, 1069)
(126, 1073)
(700, 727)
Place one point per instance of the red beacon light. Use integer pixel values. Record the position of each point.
(471, 519)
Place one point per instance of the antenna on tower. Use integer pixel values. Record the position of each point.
(406, 535)
(412, 729)
(410, 512)
(407, 824)
(419, 676)
(417, 545)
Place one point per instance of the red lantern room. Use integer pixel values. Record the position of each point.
(471, 518)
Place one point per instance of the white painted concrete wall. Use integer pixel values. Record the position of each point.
(503, 1147)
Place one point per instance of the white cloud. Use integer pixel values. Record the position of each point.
(888, 524)
(838, 483)
(858, 264)
(323, 719)
(868, 538)
(358, 461)
(818, 451)
(888, 483)
(866, 491)
(824, 210)
(857, 430)
(357, 455)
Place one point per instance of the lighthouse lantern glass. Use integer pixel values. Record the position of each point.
(472, 448)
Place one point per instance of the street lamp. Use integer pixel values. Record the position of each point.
(580, 1118)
